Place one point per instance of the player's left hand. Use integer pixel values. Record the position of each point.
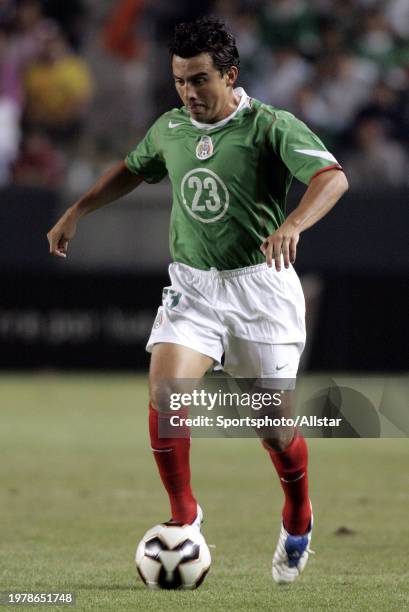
(283, 242)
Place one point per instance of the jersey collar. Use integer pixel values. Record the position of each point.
(244, 103)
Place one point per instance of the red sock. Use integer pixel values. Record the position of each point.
(291, 465)
(172, 458)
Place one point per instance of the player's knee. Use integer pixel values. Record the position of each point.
(280, 441)
(164, 393)
(159, 396)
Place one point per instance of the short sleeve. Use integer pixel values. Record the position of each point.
(299, 148)
(146, 159)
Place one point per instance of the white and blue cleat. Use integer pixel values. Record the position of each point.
(291, 555)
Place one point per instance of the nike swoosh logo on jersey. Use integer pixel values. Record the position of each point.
(173, 125)
(315, 153)
(281, 367)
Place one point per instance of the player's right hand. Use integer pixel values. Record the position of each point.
(60, 235)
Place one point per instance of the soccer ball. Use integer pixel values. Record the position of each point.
(173, 557)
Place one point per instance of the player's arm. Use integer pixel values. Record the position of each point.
(115, 183)
(322, 194)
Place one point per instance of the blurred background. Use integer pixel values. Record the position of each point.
(81, 81)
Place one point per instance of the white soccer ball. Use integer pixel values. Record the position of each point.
(173, 557)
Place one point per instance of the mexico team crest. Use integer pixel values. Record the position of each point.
(204, 149)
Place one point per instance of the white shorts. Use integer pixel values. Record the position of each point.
(253, 316)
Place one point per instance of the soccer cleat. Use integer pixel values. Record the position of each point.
(197, 523)
(291, 555)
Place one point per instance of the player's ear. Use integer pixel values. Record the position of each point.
(231, 75)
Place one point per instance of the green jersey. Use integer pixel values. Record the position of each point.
(229, 179)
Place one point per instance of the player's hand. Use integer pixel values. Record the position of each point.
(283, 242)
(60, 235)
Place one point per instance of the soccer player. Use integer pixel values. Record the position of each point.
(234, 292)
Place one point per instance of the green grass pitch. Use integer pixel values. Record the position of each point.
(79, 488)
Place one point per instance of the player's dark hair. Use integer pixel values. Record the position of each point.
(206, 35)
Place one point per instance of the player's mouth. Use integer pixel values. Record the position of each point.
(196, 107)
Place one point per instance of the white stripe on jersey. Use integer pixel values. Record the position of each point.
(315, 153)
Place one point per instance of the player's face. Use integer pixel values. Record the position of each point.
(206, 93)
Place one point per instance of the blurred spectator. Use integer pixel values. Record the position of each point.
(119, 32)
(377, 161)
(289, 71)
(20, 44)
(340, 65)
(10, 73)
(29, 30)
(7, 13)
(313, 109)
(345, 85)
(288, 23)
(345, 13)
(332, 38)
(71, 17)
(9, 136)
(397, 14)
(39, 164)
(384, 103)
(165, 15)
(58, 88)
(377, 41)
(92, 158)
(121, 51)
(253, 56)
(340, 86)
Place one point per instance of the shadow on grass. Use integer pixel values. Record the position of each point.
(97, 587)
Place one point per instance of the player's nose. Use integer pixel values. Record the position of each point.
(190, 93)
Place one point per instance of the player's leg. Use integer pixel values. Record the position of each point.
(185, 341)
(292, 550)
(289, 454)
(286, 447)
(171, 365)
(277, 366)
